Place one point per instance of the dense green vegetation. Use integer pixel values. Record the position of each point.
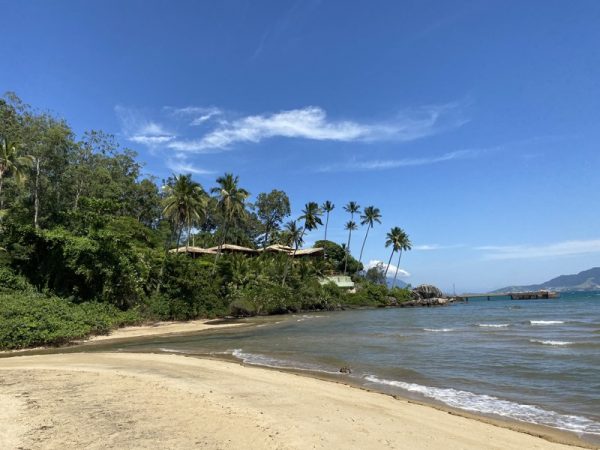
(84, 240)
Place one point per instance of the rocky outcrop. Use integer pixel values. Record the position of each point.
(427, 291)
(436, 301)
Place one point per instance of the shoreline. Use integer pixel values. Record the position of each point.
(273, 408)
(154, 329)
(548, 434)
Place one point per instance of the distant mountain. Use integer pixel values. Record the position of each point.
(399, 283)
(588, 280)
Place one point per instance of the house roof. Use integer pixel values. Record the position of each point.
(191, 249)
(233, 248)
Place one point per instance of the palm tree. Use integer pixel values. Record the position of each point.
(405, 245)
(184, 204)
(369, 217)
(293, 234)
(12, 163)
(311, 214)
(350, 226)
(393, 238)
(352, 208)
(327, 207)
(231, 201)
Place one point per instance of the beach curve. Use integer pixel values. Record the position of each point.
(142, 400)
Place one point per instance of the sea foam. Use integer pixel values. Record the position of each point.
(558, 343)
(493, 325)
(267, 361)
(488, 404)
(545, 322)
(438, 330)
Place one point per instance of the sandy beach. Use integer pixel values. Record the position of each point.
(119, 400)
(164, 328)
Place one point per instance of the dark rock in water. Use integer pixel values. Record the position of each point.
(426, 291)
(426, 302)
(345, 369)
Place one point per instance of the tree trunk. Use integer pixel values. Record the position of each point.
(285, 270)
(220, 246)
(188, 234)
(77, 194)
(36, 199)
(397, 268)
(347, 252)
(388, 266)
(179, 236)
(1, 183)
(266, 240)
(364, 242)
(326, 224)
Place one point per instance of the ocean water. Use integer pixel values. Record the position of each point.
(536, 361)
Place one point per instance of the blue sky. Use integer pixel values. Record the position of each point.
(474, 125)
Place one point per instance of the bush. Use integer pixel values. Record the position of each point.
(189, 290)
(29, 319)
(10, 281)
(369, 294)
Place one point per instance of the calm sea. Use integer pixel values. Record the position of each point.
(536, 361)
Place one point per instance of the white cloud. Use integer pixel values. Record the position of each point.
(430, 247)
(202, 114)
(312, 123)
(182, 166)
(391, 271)
(565, 248)
(395, 163)
(137, 128)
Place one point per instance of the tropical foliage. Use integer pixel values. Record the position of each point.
(85, 240)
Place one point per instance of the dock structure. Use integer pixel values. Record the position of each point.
(533, 295)
(530, 295)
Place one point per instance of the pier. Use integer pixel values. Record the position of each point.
(529, 295)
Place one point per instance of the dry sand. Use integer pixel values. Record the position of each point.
(126, 401)
(164, 328)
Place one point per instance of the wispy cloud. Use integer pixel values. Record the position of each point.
(182, 166)
(431, 247)
(565, 248)
(392, 270)
(357, 165)
(141, 130)
(197, 115)
(312, 123)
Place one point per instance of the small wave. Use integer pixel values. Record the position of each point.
(558, 343)
(306, 317)
(545, 322)
(172, 350)
(267, 361)
(493, 325)
(487, 404)
(438, 330)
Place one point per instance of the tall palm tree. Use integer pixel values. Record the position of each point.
(12, 163)
(369, 217)
(350, 226)
(311, 215)
(184, 204)
(405, 245)
(352, 208)
(393, 238)
(231, 200)
(327, 207)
